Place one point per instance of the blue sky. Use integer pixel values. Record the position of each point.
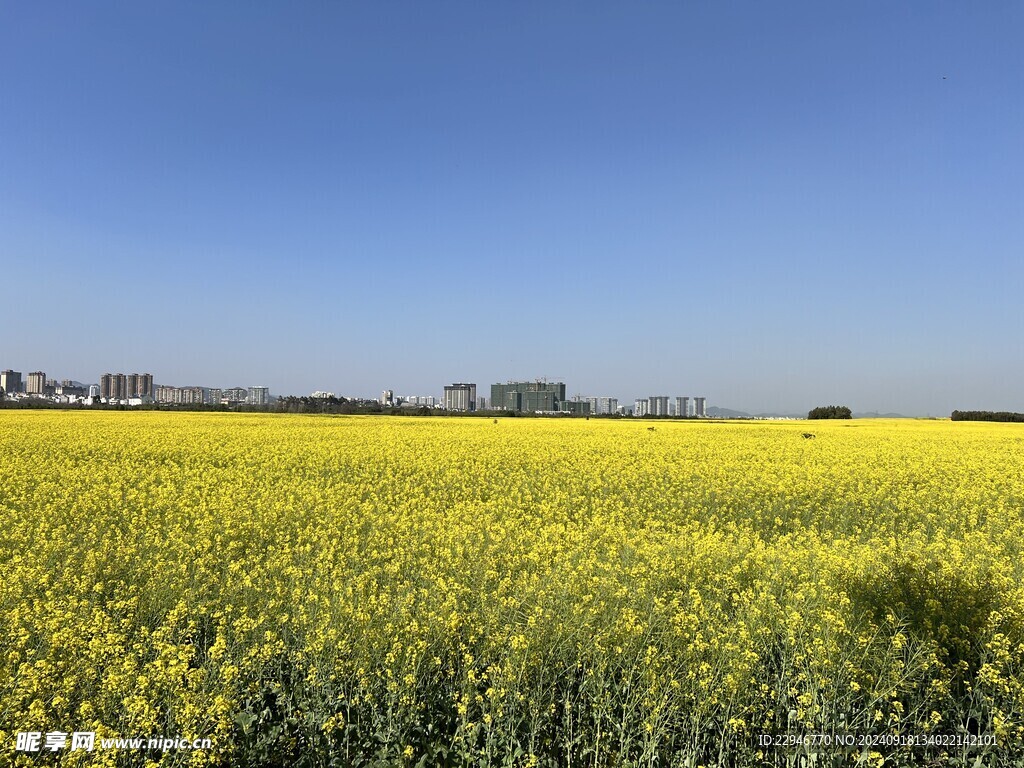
(775, 205)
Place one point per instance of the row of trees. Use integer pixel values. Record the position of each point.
(986, 416)
(830, 412)
(335, 405)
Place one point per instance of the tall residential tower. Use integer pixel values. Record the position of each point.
(460, 397)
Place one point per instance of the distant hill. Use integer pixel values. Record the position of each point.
(725, 413)
(877, 415)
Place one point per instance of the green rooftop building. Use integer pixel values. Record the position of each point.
(528, 396)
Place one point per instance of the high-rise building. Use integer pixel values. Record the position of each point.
(657, 405)
(259, 395)
(603, 406)
(460, 397)
(640, 407)
(36, 384)
(120, 386)
(192, 395)
(387, 397)
(234, 395)
(163, 393)
(698, 408)
(138, 385)
(527, 396)
(579, 406)
(682, 407)
(10, 381)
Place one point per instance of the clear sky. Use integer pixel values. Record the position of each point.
(775, 205)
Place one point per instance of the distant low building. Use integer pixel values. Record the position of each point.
(179, 395)
(69, 390)
(419, 401)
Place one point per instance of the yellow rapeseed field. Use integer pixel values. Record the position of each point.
(360, 591)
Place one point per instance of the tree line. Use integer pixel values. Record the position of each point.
(986, 416)
(830, 412)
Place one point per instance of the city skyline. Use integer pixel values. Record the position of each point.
(459, 396)
(780, 206)
(137, 389)
(671, 405)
